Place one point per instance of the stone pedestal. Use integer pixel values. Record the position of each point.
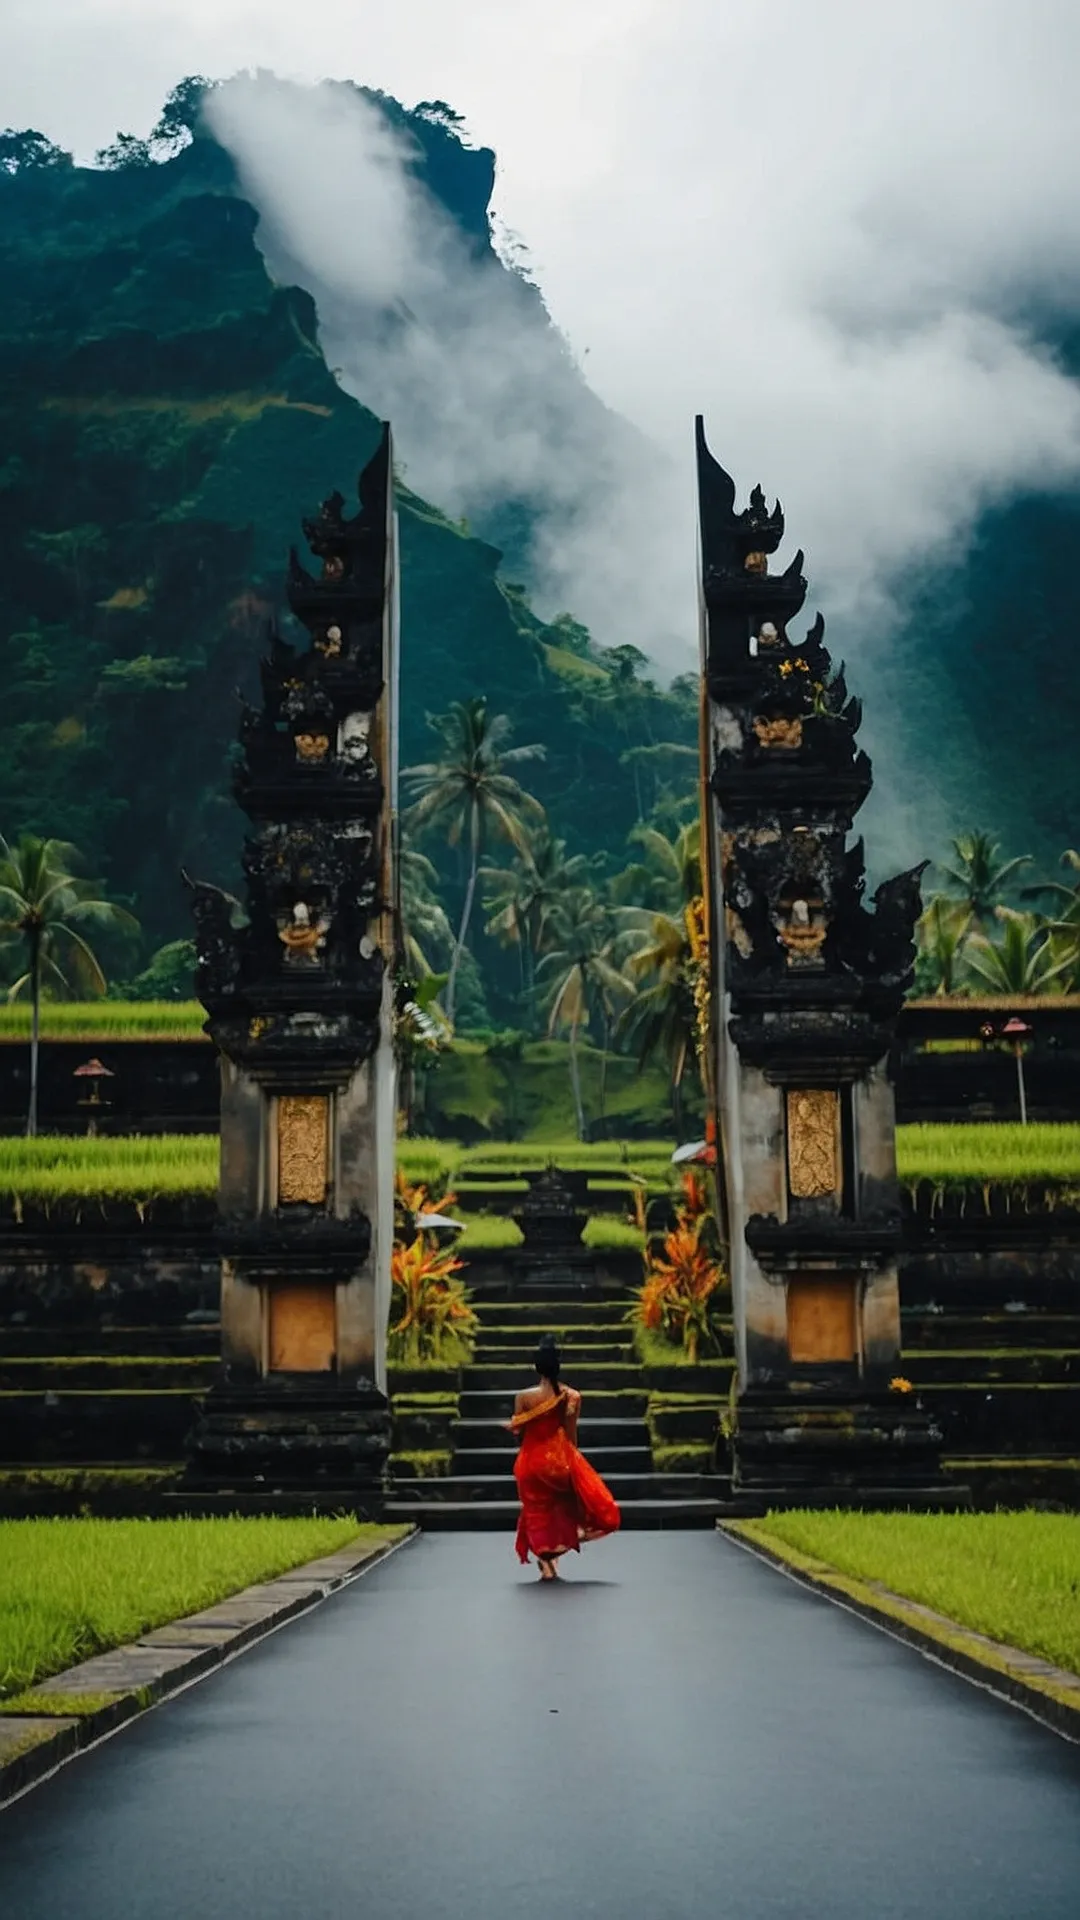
(552, 1260)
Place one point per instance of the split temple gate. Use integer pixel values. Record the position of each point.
(298, 989)
(806, 988)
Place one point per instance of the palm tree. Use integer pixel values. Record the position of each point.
(979, 877)
(667, 877)
(1023, 961)
(585, 977)
(471, 794)
(662, 1018)
(423, 916)
(522, 898)
(941, 935)
(40, 902)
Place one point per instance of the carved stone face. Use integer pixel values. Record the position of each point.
(333, 567)
(757, 563)
(768, 635)
(329, 643)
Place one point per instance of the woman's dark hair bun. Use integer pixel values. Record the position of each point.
(548, 1357)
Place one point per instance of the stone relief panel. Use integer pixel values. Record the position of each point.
(303, 1138)
(813, 1142)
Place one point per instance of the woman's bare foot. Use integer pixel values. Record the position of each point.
(547, 1567)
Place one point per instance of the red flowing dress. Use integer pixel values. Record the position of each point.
(563, 1499)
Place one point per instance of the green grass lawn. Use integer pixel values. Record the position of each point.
(1014, 1576)
(73, 1588)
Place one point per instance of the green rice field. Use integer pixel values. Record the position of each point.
(133, 1166)
(1002, 1152)
(140, 1166)
(1013, 1576)
(92, 1020)
(73, 1588)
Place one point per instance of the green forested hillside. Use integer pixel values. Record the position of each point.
(167, 416)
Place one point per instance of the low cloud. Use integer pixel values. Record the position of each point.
(491, 416)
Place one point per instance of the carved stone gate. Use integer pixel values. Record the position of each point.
(298, 987)
(806, 987)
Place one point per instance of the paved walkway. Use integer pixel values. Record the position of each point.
(676, 1732)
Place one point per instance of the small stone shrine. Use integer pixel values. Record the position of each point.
(806, 985)
(298, 989)
(552, 1219)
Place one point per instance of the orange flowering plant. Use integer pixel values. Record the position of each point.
(679, 1296)
(430, 1315)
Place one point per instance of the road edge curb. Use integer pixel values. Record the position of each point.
(989, 1664)
(73, 1737)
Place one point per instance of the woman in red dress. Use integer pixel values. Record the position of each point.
(563, 1499)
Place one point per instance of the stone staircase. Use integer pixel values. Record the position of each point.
(479, 1492)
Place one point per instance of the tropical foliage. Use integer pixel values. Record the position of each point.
(44, 908)
(974, 939)
(430, 1315)
(468, 793)
(684, 1282)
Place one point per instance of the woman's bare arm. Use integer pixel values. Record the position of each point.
(573, 1408)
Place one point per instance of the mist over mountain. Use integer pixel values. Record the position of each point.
(945, 390)
(384, 218)
(169, 415)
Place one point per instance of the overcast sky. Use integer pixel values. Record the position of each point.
(820, 222)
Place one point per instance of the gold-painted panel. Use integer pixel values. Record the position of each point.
(303, 1148)
(813, 1142)
(302, 1329)
(821, 1320)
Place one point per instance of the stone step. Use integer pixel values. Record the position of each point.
(587, 1335)
(928, 1497)
(110, 1374)
(504, 1350)
(500, 1516)
(1003, 1418)
(608, 1376)
(971, 1367)
(486, 1487)
(552, 1316)
(498, 1403)
(59, 1428)
(470, 1461)
(592, 1434)
(201, 1340)
(988, 1332)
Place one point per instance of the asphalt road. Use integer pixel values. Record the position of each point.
(677, 1731)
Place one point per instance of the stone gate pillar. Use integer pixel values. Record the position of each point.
(298, 989)
(806, 987)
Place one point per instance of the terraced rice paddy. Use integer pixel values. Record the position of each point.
(140, 1166)
(98, 1020)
